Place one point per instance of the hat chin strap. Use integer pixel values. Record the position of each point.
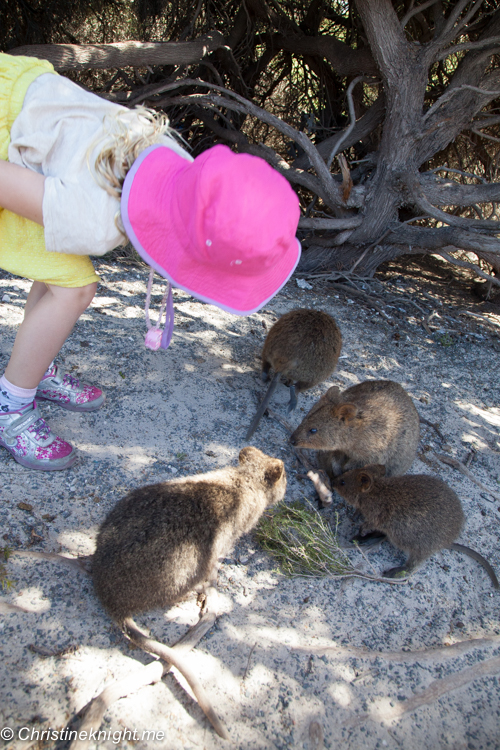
(155, 337)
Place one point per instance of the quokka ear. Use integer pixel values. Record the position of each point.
(365, 480)
(248, 454)
(346, 412)
(274, 471)
(331, 396)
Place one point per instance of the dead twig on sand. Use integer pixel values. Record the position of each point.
(6, 608)
(434, 426)
(460, 467)
(435, 654)
(93, 712)
(248, 661)
(434, 692)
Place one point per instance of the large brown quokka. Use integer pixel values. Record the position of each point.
(418, 513)
(162, 541)
(302, 348)
(374, 422)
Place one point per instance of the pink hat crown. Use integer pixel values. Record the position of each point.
(222, 227)
(237, 211)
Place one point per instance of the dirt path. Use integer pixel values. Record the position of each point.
(289, 663)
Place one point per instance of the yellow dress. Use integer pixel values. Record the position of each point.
(22, 244)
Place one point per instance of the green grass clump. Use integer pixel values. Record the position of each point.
(5, 582)
(303, 544)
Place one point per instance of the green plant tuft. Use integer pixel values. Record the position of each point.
(302, 542)
(446, 340)
(5, 583)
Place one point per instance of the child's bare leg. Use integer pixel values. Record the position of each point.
(38, 289)
(50, 314)
(49, 319)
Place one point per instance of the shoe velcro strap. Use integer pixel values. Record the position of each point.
(21, 424)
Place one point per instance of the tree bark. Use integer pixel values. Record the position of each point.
(122, 54)
(405, 79)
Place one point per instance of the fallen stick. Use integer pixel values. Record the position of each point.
(93, 712)
(434, 426)
(77, 563)
(436, 690)
(430, 654)
(248, 662)
(6, 608)
(460, 467)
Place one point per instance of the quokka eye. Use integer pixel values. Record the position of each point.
(313, 430)
(342, 482)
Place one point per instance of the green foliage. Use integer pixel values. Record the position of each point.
(5, 582)
(446, 340)
(301, 541)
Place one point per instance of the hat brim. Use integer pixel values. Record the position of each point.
(168, 254)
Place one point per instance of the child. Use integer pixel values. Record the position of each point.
(221, 226)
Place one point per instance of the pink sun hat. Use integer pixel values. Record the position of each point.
(222, 227)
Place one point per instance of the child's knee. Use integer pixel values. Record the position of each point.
(79, 298)
(84, 295)
(88, 293)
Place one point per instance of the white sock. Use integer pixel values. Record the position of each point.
(13, 398)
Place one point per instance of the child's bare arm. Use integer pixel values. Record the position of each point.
(21, 191)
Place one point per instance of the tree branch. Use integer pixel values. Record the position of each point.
(472, 267)
(452, 91)
(352, 114)
(494, 40)
(415, 188)
(362, 128)
(231, 100)
(386, 37)
(456, 114)
(417, 9)
(335, 224)
(345, 60)
(437, 238)
(120, 54)
(451, 193)
(450, 30)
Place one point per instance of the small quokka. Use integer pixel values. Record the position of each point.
(373, 422)
(302, 348)
(417, 513)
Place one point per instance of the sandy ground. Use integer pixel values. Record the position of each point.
(290, 663)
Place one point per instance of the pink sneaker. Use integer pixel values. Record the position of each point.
(69, 393)
(28, 438)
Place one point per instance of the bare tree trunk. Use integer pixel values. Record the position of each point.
(404, 84)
